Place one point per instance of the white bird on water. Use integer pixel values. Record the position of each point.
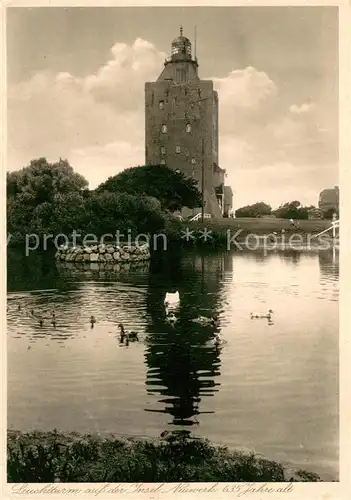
(171, 301)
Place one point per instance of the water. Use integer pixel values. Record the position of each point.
(271, 388)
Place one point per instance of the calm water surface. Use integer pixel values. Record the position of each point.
(271, 388)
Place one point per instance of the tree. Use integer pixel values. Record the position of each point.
(44, 198)
(41, 181)
(291, 210)
(255, 210)
(173, 190)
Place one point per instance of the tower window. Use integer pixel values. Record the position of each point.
(188, 127)
(177, 149)
(164, 129)
(161, 104)
(163, 150)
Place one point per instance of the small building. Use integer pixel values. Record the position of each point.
(329, 200)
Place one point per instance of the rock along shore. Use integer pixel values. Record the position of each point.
(104, 253)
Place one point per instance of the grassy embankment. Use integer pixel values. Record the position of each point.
(62, 457)
(223, 229)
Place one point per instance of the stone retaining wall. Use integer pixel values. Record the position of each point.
(101, 269)
(104, 253)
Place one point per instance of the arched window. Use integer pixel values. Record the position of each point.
(177, 149)
(193, 161)
(163, 150)
(188, 127)
(164, 129)
(161, 104)
(163, 162)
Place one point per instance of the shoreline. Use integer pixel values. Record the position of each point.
(55, 456)
(218, 240)
(220, 231)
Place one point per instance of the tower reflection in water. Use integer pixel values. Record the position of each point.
(183, 364)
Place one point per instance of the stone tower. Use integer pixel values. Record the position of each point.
(181, 124)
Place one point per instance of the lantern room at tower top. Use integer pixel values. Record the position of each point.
(181, 126)
(181, 48)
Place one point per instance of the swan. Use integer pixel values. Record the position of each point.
(262, 315)
(172, 300)
(203, 320)
(128, 336)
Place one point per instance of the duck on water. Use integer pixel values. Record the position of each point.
(262, 315)
(127, 336)
(205, 321)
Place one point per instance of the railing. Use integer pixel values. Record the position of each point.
(335, 224)
(198, 216)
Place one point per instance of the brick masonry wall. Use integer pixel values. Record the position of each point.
(181, 107)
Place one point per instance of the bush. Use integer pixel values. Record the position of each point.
(255, 210)
(106, 212)
(328, 214)
(291, 210)
(51, 457)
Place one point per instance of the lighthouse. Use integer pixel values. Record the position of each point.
(181, 126)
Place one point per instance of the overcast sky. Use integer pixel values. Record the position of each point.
(76, 90)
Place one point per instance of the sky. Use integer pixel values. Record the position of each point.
(76, 90)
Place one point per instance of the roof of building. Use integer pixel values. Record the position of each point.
(329, 195)
(181, 43)
(217, 168)
(181, 40)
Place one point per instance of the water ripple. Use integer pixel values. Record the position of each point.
(76, 377)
